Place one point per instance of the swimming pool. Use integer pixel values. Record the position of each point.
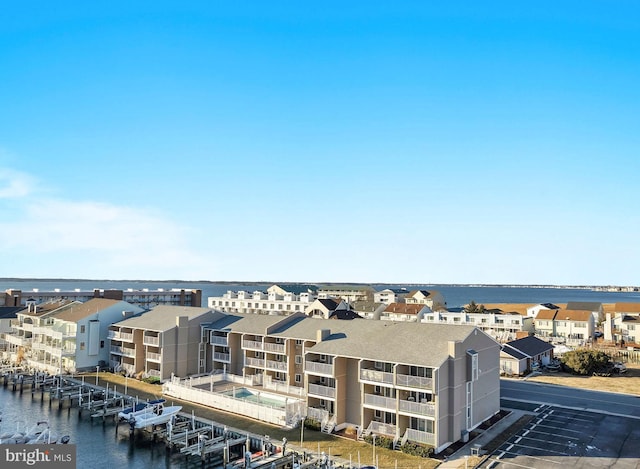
(261, 398)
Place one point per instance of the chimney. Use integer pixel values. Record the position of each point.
(322, 334)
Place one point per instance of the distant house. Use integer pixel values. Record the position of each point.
(390, 295)
(8, 316)
(405, 312)
(368, 309)
(433, 299)
(349, 293)
(532, 311)
(596, 309)
(326, 308)
(624, 324)
(519, 356)
(574, 327)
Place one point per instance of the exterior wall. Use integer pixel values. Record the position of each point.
(260, 303)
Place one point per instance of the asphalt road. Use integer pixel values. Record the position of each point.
(612, 403)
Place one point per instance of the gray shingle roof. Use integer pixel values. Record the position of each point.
(162, 318)
(530, 346)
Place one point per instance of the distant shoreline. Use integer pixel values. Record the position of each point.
(612, 288)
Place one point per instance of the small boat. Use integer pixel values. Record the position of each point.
(138, 408)
(155, 416)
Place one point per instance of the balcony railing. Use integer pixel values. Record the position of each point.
(420, 437)
(127, 352)
(414, 381)
(252, 344)
(17, 340)
(271, 347)
(322, 391)
(154, 373)
(151, 340)
(254, 362)
(317, 414)
(380, 428)
(275, 365)
(380, 401)
(319, 368)
(154, 357)
(222, 357)
(376, 376)
(117, 335)
(420, 408)
(219, 340)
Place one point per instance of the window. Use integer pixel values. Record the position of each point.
(298, 359)
(298, 378)
(102, 344)
(298, 342)
(81, 345)
(82, 327)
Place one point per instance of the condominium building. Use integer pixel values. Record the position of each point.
(144, 298)
(348, 293)
(433, 299)
(424, 383)
(276, 300)
(159, 342)
(573, 327)
(502, 326)
(68, 336)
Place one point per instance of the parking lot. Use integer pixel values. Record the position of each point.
(572, 438)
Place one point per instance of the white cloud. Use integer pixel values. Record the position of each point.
(15, 184)
(44, 237)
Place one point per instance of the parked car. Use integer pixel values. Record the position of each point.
(619, 368)
(554, 366)
(598, 334)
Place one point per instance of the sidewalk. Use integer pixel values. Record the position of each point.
(454, 461)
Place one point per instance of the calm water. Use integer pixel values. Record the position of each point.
(454, 295)
(98, 445)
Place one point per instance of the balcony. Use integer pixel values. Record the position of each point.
(418, 408)
(380, 428)
(414, 382)
(254, 362)
(154, 357)
(376, 376)
(222, 340)
(276, 365)
(17, 340)
(420, 437)
(276, 348)
(117, 335)
(125, 351)
(154, 373)
(318, 368)
(324, 392)
(222, 357)
(387, 403)
(252, 345)
(152, 340)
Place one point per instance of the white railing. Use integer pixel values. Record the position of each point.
(414, 381)
(154, 373)
(222, 357)
(380, 401)
(421, 408)
(218, 340)
(151, 340)
(17, 340)
(254, 362)
(315, 413)
(275, 365)
(420, 437)
(155, 357)
(117, 335)
(260, 411)
(381, 429)
(271, 347)
(282, 387)
(252, 344)
(319, 368)
(376, 376)
(322, 391)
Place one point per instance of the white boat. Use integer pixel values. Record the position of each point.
(157, 416)
(127, 413)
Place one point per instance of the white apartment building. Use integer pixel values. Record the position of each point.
(276, 301)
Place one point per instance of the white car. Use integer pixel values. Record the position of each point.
(619, 368)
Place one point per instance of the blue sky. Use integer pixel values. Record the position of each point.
(324, 141)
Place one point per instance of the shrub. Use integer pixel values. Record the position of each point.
(312, 424)
(381, 441)
(415, 449)
(585, 362)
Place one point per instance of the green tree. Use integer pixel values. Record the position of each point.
(585, 362)
(472, 307)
